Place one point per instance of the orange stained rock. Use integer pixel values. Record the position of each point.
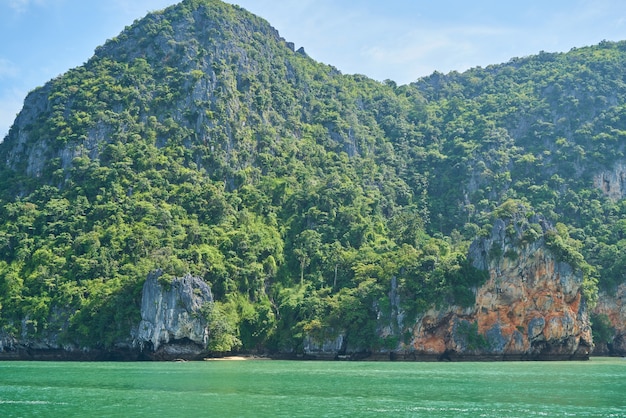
(486, 320)
(555, 327)
(575, 305)
(518, 311)
(543, 301)
(430, 345)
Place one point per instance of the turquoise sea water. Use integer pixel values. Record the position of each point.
(595, 388)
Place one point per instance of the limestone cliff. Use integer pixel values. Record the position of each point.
(612, 182)
(171, 322)
(33, 343)
(613, 305)
(531, 306)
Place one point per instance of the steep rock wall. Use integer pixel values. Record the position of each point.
(612, 182)
(613, 305)
(32, 343)
(530, 307)
(172, 325)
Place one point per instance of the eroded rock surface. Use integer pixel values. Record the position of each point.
(613, 305)
(530, 307)
(172, 324)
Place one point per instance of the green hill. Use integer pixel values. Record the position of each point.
(198, 141)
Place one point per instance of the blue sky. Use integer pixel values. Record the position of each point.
(400, 40)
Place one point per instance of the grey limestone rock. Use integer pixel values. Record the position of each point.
(174, 313)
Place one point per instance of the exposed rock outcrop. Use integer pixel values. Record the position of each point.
(613, 305)
(612, 182)
(326, 349)
(34, 343)
(8, 343)
(531, 306)
(172, 324)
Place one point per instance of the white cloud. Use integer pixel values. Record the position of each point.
(414, 52)
(20, 6)
(413, 46)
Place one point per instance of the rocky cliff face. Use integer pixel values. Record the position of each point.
(613, 305)
(531, 306)
(612, 182)
(172, 325)
(49, 344)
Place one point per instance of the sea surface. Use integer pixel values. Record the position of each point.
(256, 388)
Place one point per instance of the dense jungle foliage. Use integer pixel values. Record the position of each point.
(199, 141)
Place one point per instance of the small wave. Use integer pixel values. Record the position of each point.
(9, 402)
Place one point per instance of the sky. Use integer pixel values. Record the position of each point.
(399, 40)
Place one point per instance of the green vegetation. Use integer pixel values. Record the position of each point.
(468, 332)
(603, 332)
(198, 141)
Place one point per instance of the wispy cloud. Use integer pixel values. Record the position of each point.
(406, 48)
(21, 6)
(419, 44)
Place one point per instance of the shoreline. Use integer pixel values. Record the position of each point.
(236, 358)
(136, 356)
